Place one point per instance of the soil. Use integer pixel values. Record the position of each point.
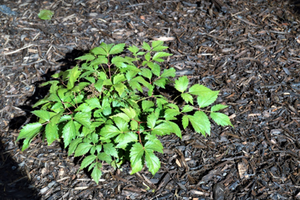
(249, 50)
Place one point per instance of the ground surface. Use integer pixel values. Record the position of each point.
(249, 50)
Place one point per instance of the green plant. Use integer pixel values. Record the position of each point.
(45, 14)
(109, 108)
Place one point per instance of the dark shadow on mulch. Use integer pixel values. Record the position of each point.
(14, 183)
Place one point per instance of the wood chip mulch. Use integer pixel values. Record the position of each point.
(249, 50)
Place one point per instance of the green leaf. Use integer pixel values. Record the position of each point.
(154, 146)
(87, 161)
(181, 83)
(51, 132)
(93, 103)
(117, 49)
(74, 74)
(96, 173)
(161, 82)
(130, 112)
(86, 57)
(218, 107)
(29, 130)
(45, 14)
(156, 43)
(146, 73)
(82, 149)
(121, 124)
(146, 46)
(159, 48)
(125, 138)
(207, 98)
(83, 118)
(146, 105)
(152, 161)
(98, 61)
(200, 122)
(119, 78)
(120, 88)
(105, 157)
(109, 131)
(45, 115)
(69, 132)
(187, 98)
(157, 56)
(98, 51)
(133, 49)
(185, 121)
(162, 129)
(136, 154)
(83, 107)
(106, 47)
(147, 56)
(73, 145)
(220, 119)
(151, 120)
(170, 114)
(169, 73)
(155, 68)
(187, 108)
(175, 128)
(110, 149)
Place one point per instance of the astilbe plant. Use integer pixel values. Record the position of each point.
(107, 110)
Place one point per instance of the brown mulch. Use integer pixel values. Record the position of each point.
(249, 50)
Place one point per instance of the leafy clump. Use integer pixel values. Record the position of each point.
(108, 109)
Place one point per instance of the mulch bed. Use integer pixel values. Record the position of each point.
(249, 50)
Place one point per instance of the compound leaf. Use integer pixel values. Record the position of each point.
(87, 161)
(82, 149)
(109, 149)
(220, 119)
(117, 49)
(181, 83)
(29, 130)
(83, 118)
(96, 173)
(69, 132)
(218, 107)
(152, 161)
(51, 132)
(200, 122)
(187, 98)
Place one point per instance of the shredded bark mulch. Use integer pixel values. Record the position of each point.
(249, 50)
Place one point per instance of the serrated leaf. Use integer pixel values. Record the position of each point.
(221, 119)
(45, 14)
(136, 154)
(73, 145)
(106, 47)
(134, 125)
(169, 73)
(100, 60)
(109, 131)
(157, 56)
(51, 132)
(93, 103)
(146, 73)
(155, 68)
(74, 74)
(154, 146)
(147, 56)
(218, 107)
(87, 161)
(133, 49)
(170, 114)
(146, 105)
(159, 48)
(122, 116)
(161, 82)
(185, 121)
(124, 139)
(200, 123)
(86, 57)
(117, 49)
(82, 149)
(207, 98)
(43, 114)
(84, 107)
(105, 157)
(29, 130)
(156, 43)
(69, 132)
(181, 83)
(121, 124)
(175, 128)
(187, 98)
(152, 161)
(187, 108)
(151, 120)
(134, 84)
(146, 46)
(162, 129)
(119, 78)
(83, 118)
(98, 51)
(110, 149)
(96, 173)
(130, 112)
(120, 88)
